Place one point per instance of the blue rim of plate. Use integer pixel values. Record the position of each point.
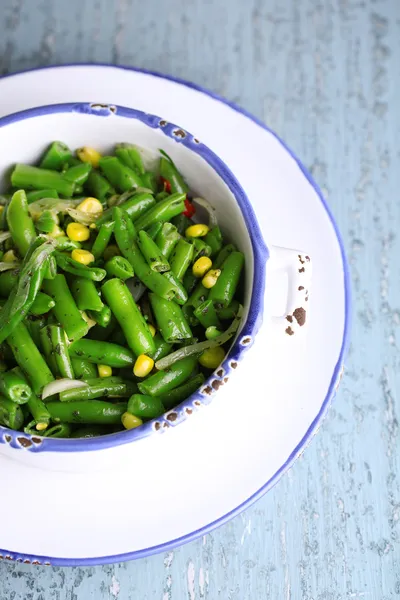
(335, 380)
(248, 328)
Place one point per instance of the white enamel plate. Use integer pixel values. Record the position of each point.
(194, 477)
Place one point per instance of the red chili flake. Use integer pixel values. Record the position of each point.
(166, 184)
(190, 209)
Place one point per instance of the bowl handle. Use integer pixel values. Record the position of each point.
(298, 268)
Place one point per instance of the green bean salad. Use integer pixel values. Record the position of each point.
(116, 300)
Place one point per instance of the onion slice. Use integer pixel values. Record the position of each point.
(172, 358)
(7, 266)
(212, 213)
(136, 288)
(61, 385)
(4, 235)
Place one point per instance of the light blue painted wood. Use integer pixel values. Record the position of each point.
(325, 75)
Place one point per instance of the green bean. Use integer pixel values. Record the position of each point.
(130, 156)
(181, 258)
(41, 304)
(150, 181)
(34, 327)
(86, 294)
(135, 206)
(161, 195)
(59, 344)
(61, 430)
(14, 387)
(20, 222)
(155, 259)
(35, 195)
(181, 223)
(154, 230)
(64, 244)
(69, 265)
(162, 211)
(118, 266)
(107, 387)
(125, 237)
(200, 248)
(214, 240)
(29, 358)
(78, 174)
(145, 407)
(180, 292)
(98, 186)
(102, 353)
(119, 175)
(190, 281)
(56, 156)
(163, 348)
(102, 317)
(198, 296)
(169, 172)
(24, 292)
(90, 431)
(83, 369)
(181, 393)
(223, 254)
(164, 381)
(125, 310)
(87, 411)
(167, 239)
(171, 321)
(102, 240)
(213, 332)
(47, 348)
(28, 177)
(207, 315)
(7, 281)
(223, 291)
(65, 310)
(229, 312)
(47, 221)
(11, 414)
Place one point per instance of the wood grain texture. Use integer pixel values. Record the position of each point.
(325, 75)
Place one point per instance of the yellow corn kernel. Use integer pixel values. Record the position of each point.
(10, 256)
(195, 231)
(129, 421)
(41, 426)
(92, 226)
(153, 330)
(212, 358)
(201, 266)
(211, 278)
(56, 232)
(111, 251)
(91, 206)
(84, 257)
(78, 232)
(89, 155)
(143, 366)
(1, 208)
(104, 370)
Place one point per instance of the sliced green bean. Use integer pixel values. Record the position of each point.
(11, 414)
(181, 393)
(102, 317)
(135, 206)
(118, 266)
(167, 239)
(87, 411)
(20, 222)
(83, 369)
(145, 407)
(69, 265)
(28, 177)
(155, 259)
(61, 430)
(207, 315)
(102, 240)
(119, 175)
(65, 309)
(181, 258)
(41, 304)
(171, 174)
(98, 186)
(56, 156)
(60, 351)
(181, 295)
(171, 321)
(163, 211)
(164, 381)
(29, 358)
(214, 240)
(102, 353)
(86, 294)
(107, 387)
(125, 310)
(224, 290)
(14, 387)
(163, 348)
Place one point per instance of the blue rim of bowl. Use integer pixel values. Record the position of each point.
(249, 327)
(334, 383)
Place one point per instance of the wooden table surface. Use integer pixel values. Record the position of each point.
(325, 74)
